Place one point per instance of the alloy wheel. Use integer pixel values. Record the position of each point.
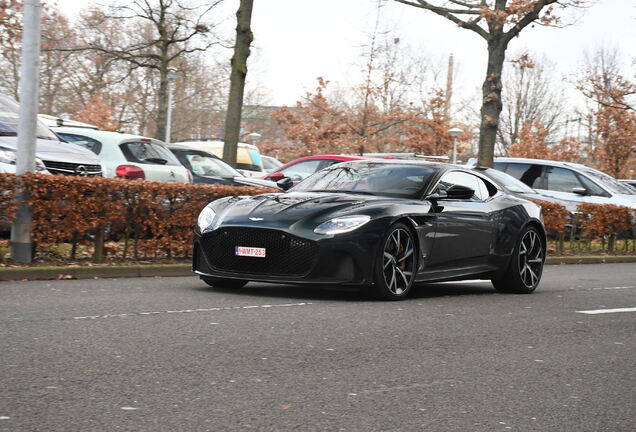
(530, 258)
(398, 262)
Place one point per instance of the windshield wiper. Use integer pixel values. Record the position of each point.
(5, 133)
(344, 191)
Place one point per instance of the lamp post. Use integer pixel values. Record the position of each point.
(172, 75)
(254, 136)
(455, 132)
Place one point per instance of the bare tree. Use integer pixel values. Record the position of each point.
(244, 38)
(162, 31)
(530, 95)
(497, 22)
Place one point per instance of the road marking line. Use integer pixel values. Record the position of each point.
(614, 288)
(212, 309)
(606, 311)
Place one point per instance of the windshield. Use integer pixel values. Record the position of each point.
(507, 181)
(405, 181)
(9, 116)
(203, 164)
(609, 182)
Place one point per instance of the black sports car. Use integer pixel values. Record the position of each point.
(385, 225)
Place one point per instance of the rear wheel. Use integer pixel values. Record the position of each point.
(223, 283)
(395, 264)
(526, 265)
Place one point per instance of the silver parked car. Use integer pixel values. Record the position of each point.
(567, 181)
(52, 155)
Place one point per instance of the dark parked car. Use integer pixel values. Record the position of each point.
(386, 225)
(207, 168)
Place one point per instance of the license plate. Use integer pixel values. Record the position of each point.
(249, 252)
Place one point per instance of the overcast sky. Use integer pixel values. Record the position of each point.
(299, 40)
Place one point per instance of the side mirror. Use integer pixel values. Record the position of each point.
(455, 192)
(276, 176)
(285, 183)
(580, 191)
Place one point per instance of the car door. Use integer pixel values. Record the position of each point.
(464, 227)
(561, 182)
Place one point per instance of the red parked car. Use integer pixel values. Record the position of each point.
(299, 169)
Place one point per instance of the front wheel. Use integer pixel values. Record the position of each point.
(526, 265)
(224, 283)
(395, 264)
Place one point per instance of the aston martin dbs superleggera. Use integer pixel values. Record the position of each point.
(384, 225)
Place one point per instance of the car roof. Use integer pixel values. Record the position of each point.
(196, 142)
(183, 146)
(539, 162)
(102, 135)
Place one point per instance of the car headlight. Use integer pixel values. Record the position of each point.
(9, 156)
(342, 224)
(206, 218)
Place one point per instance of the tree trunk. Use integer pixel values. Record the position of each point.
(491, 104)
(162, 114)
(244, 38)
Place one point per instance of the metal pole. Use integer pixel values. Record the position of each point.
(454, 149)
(169, 119)
(21, 248)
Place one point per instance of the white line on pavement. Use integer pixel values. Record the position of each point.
(614, 288)
(212, 309)
(606, 311)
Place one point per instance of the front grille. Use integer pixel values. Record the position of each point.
(75, 169)
(286, 255)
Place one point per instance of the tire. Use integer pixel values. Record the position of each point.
(395, 264)
(224, 283)
(526, 265)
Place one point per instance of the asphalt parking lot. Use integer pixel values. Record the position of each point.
(149, 354)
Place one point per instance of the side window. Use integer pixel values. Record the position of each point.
(500, 166)
(592, 187)
(562, 180)
(302, 170)
(529, 174)
(84, 141)
(464, 179)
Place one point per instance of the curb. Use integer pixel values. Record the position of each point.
(167, 270)
(62, 272)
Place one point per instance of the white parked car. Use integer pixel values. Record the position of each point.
(52, 155)
(567, 181)
(128, 156)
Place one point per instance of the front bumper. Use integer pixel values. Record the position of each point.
(345, 259)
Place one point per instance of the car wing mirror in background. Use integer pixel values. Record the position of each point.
(455, 192)
(580, 191)
(285, 183)
(276, 176)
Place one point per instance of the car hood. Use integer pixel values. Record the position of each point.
(56, 151)
(289, 209)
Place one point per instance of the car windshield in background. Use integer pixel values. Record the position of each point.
(206, 166)
(610, 182)
(9, 115)
(508, 182)
(406, 181)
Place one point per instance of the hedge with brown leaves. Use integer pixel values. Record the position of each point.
(157, 218)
